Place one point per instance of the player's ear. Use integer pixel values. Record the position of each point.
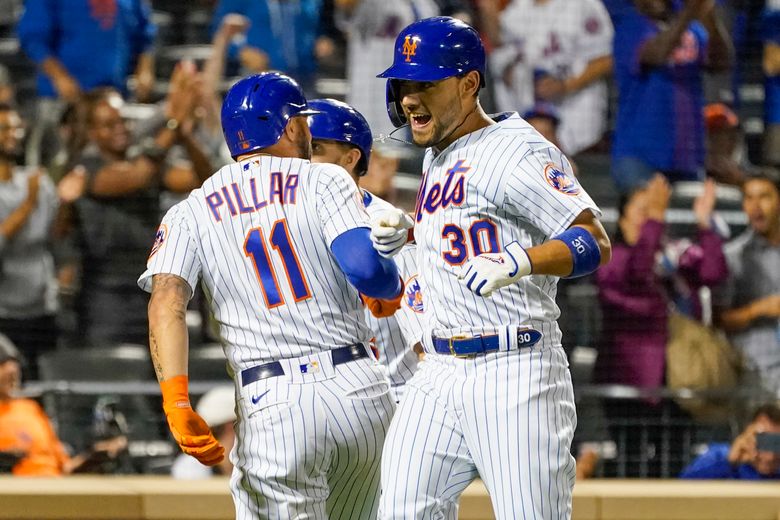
(469, 84)
(351, 158)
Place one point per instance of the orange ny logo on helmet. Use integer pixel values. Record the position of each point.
(410, 47)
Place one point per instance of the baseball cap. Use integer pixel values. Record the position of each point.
(8, 350)
(218, 406)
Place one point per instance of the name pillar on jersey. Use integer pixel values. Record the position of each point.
(281, 190)
(442, 195)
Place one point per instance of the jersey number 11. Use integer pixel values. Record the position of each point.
(255, 248)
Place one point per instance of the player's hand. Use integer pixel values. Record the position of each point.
(488, 272)
(389, 231)
(381, 308)
(190, 431)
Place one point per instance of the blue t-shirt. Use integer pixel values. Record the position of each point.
(284, 30)
(771, 34)
(714, 464)
(97, 41)
(659, 118)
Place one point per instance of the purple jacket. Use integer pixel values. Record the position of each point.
(634, 303)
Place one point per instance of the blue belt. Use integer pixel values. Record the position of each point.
(466, 347)
(339, 356)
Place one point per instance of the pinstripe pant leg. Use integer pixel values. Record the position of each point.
(425, 463)
(359, 406)
(519, 421)
(281, 454)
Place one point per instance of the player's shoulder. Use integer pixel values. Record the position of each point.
(515, 138)
(329, 174)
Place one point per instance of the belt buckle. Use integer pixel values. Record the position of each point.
(452, 349)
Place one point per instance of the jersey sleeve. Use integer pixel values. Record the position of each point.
(339, 204)
(595, 31)
(543, 190)
(174, 251)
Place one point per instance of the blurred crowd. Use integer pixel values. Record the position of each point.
(669, 109)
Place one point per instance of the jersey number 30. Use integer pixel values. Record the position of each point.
(255, 248)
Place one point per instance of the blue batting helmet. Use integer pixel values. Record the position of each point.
(257, 108)
(337, 121)
(431, 50)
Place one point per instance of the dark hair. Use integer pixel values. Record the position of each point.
(769, 410)
(765, 173)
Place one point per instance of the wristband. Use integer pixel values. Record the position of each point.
(585, 252)
(175, 392)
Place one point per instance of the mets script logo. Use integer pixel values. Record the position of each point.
(410, 47)
(159, 239)
(413, 296)
(560, 181)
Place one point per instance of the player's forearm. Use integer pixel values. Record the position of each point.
(168, 340)
(597, 69)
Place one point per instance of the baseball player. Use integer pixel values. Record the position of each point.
(283, 249)
(341, 135)
(499, 219)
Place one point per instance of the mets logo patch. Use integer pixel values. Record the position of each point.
(159, 239)
(413, 295)
(410, 47)
(561, 181)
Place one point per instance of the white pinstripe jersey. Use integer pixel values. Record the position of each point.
(396, 335)
(258, 232)
(499, 184)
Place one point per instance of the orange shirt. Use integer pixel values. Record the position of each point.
(25, 427)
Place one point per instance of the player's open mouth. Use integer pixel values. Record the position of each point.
(420, 120)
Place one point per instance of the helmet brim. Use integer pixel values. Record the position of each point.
(419, 72)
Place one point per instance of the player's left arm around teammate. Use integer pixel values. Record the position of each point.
(169, 346)
(578, 251)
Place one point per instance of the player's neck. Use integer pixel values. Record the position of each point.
(475, 120)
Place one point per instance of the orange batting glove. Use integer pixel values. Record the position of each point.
(191, 432)
(383, 308)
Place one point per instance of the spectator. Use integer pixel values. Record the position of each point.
(660, 55)
(79, 45)
(546, 120)
(282, 36)
(741, 460)
(218, 408)
(635, 299)
(28, 444)
(121, 207)
(556, 51)
(28, 209)
(726, 160)
(750, 301)
(771, 37)
(7, 89)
